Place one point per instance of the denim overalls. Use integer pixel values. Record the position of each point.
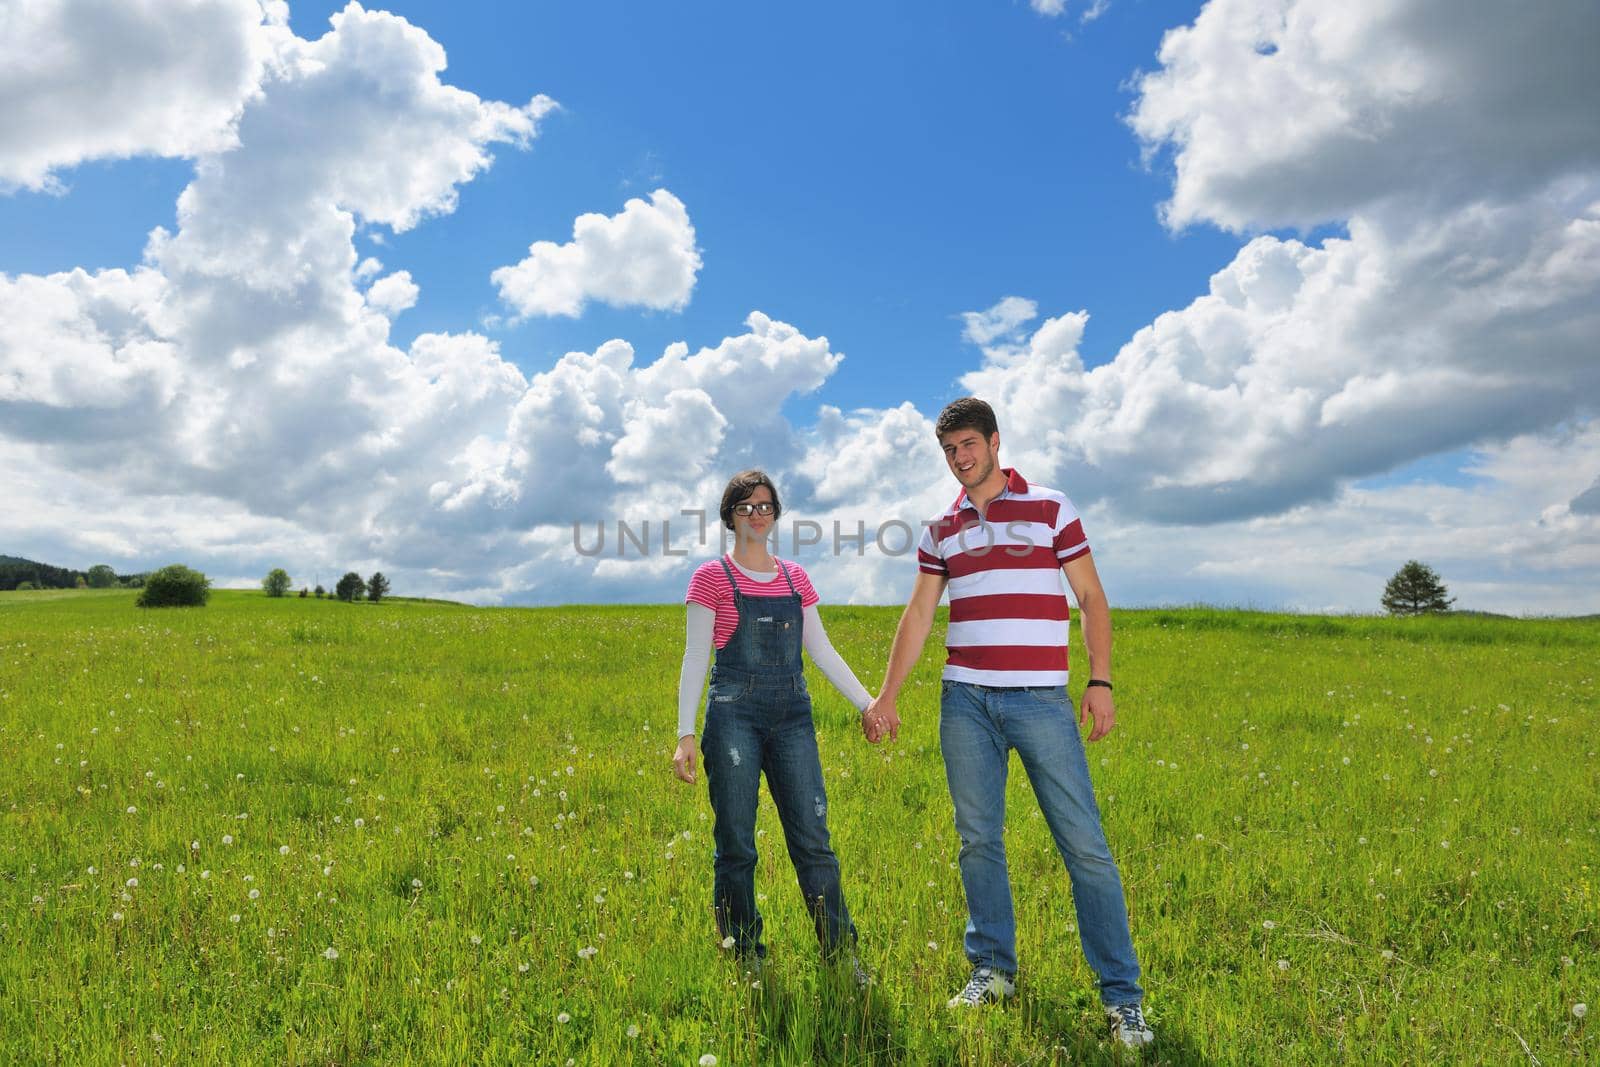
(758, 719)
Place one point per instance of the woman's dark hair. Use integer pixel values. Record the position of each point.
(968, 413)
(742, 485)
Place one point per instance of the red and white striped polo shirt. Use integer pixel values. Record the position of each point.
(1009, 616)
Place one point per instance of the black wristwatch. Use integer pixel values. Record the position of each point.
(1098, 681)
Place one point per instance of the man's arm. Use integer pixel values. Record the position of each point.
(916, 622)
(1094, 616)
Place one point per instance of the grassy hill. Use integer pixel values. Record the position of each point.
(299, 831)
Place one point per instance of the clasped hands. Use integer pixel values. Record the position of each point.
(880, 720)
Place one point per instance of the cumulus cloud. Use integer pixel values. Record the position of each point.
(1465, 319)
(104, 79)
(643, 256)
(1001, 320)
(393, 293)
(1293, 113)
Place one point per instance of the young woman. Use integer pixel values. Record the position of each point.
(759, 612)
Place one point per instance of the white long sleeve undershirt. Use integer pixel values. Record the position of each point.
(699, 624)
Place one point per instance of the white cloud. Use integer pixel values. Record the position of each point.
(643, 256)
(1293, 113)
(1049, 8)
(393, 293)
(103, 79)
(999, 321)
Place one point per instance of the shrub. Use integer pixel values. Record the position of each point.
(23, 587)
(276, 583)
(303, 592)
(175, 586)
(321, 592)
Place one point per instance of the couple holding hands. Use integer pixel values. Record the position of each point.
(1000, 549)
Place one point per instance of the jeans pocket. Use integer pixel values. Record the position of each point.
(727, 692)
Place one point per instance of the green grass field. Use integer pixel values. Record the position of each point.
(297, 831)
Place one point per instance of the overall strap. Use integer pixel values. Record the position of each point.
(785, 572)
(733, 582)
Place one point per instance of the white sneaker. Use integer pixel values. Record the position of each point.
(986, 984)
(1128, 1026)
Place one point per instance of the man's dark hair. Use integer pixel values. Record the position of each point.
(968, 413)
(742, 485)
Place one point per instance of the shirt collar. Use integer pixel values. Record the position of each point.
(1015, 484)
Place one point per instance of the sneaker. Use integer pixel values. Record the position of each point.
(986, 984)
(1128, 1026)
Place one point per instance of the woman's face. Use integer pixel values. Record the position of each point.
(755, 526)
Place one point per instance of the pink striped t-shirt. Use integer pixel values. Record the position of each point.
(709, 588)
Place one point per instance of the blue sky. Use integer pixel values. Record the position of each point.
(1305, 264)
(860, 170)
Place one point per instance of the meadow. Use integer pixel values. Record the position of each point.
(304, 832)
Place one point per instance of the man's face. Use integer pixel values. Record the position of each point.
(971, 458)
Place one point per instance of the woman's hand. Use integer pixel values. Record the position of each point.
(685, 758)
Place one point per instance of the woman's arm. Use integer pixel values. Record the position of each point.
(698, 623)
(830, 663)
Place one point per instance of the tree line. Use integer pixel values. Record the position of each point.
(19, 573)
(350, 588)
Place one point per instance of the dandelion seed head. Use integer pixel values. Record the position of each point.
(563, 1018)
(330, 953)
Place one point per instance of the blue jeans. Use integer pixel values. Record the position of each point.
(755, 724)
(978, 727)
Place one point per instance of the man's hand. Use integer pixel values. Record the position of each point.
(880, 720)
(685, 758)
(1097, 703)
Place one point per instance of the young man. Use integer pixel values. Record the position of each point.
(1002, 548)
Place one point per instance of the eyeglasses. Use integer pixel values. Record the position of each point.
(744, 511)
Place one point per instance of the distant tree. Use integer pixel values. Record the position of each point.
(82, 583)
(321, 592)
(101, 576)
(1416, 589)
(377, 587)
(276, 583)
(175, 586)
(303, 592)
(350, 587)
(133, 581)
(24, 587)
